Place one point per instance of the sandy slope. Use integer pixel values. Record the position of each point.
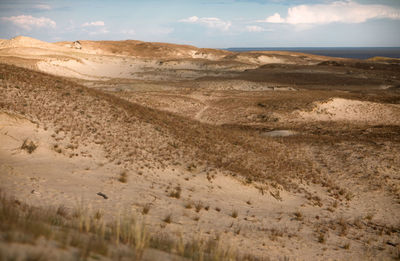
(86, 139)
(265, 225)
(179, 118)
(105, 60)
(23, 41)
(338, 109)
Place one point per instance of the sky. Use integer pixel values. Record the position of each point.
(208, 23)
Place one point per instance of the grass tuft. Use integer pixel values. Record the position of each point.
(146, 209)
(123, 177)
(168, 219)
(198, 206)
(29, 146)
(234, 213)
(176, 193)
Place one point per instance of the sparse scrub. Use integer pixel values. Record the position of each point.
(274, 233)
(191, 167)
(188, 205)
(29, 146)
(198, 206)
(234, 214)
(176, 193)
(349, 196)
(298, 216)
(237, 230)
(146, 209)
(62, 211)
(343, 227)
(217, 145)
(321, 237)
(99, 239)
(369, 216)
(123, 177)
(156, 138)
(98, 215)
(168, 218)
(358, 223)
(25, 224)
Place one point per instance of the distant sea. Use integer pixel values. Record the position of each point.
(343, 52)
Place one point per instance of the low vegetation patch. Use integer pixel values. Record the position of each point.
(125, 238)
(176, 193)
(234, 214)
(29, 146)
(123, 177)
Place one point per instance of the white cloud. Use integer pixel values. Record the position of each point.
(340, 11)
(192, 19)
(275, 19)
(96, 23)
(95, 28)
(211, 22)
(128, 32)
(254, 28)
(42, 7)
(258, 29)
(162, 30)
(27, 22)
(100, 31)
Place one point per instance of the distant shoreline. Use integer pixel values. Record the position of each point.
(342, 52)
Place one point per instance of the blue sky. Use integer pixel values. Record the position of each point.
(208, 23)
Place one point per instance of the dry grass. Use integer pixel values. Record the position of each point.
(146, 209)
(234, 214)
(123, 177)
(321, 238)
(198, 206)
(92, 236)
(188, 205)
(108, 120)
(176, 193)
(105, 119)
(298, 216)
(168, 218)
(160, 139)
(29, 146)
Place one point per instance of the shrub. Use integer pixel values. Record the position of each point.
(298, 216)
(234, 214)
(123, 177)
(29, 146)
(146, 209)
(168, 218)
(198, 206)
(176, 193)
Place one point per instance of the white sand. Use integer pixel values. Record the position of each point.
(339, 109)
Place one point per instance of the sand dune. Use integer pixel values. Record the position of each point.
(198, 145)
(24, 41)
(135, 59)
(338, 109)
